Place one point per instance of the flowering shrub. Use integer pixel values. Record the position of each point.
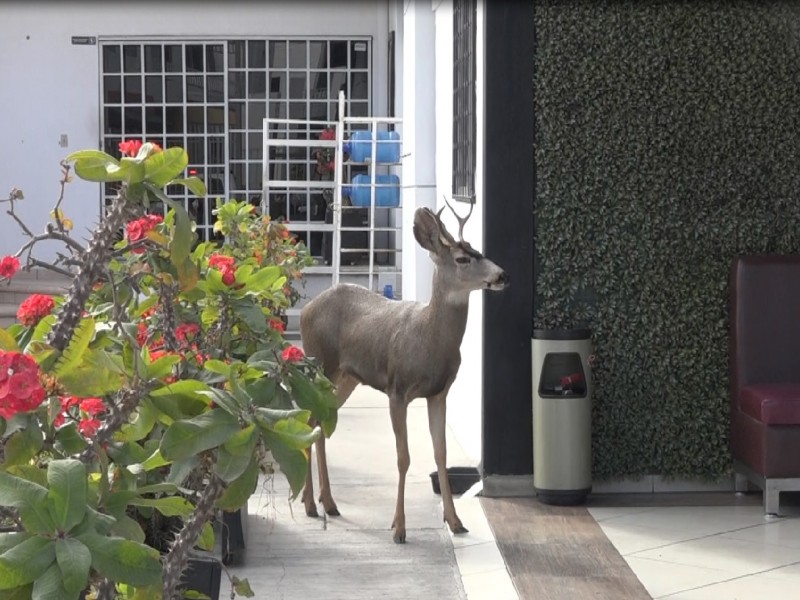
(157, 388)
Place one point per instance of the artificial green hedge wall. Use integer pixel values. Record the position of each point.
(667, 141)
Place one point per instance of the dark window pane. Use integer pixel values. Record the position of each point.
(256, 54)
(174, 84)
(359, 86)
(236, 115)
(359, 57)
(338, 82)
(173, 59)
(195, 88)
(133, 121)
(153, 88)
(215, 119)
(111, 59)
(237, 176)
(318, 58)
(254, 177)
(359, 109)
(319, 84)
(236, 146)
(297, 86)
(256, 111)
(257, 85)
(215, 88)
(194, 57)
(133, 59)
(319, 111)
(338, 54)
(236, 58)
(236, 85)
(277, 54)
(297, 110)
(174, 119)
(154, 119)
(277, 110)
(196, 148)
(111, 145)
(133, 88)
(277, 85)
(297, 55)
(254, 149)
(195, 119)
(216, 150)
(175, 142)
(214, 58)
(113, 119)
(215, 181)
(112, 89)
(152, 59)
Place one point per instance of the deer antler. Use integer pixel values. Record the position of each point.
(461, 220)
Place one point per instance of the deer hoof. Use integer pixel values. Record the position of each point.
(399, 537)
(311, 510)
(458, 529)
(333, 512)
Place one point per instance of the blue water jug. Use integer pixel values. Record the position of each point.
(387, 190)
(387, 146)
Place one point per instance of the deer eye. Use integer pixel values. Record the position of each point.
(463, 260)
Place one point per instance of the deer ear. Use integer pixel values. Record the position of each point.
(427, 230)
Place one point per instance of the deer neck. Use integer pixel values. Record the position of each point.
(447, 311)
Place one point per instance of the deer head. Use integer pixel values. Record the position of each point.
(462, 267)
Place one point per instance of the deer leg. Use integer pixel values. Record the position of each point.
(398, 409)
(344, 387)
(308, 489)
(437, 419)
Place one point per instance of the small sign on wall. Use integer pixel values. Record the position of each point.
(84, 40)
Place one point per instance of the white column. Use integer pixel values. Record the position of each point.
(419, 139)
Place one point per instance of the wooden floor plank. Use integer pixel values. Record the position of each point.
(559, 553)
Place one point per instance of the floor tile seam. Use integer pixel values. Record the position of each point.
(700, 566)
(705, 537)
(736, 578)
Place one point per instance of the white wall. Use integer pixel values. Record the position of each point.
(464, 405)
(49, 87)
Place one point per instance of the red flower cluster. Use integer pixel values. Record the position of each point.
(82, 410)
(138, 229)
(292, 354)
(277, 325)
(20, 387)
(225, 264)
(328, 134)
(187, 332)
(9, 265)
(34, 309)
(130, 147)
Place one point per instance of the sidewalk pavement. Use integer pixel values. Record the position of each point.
(291, 556)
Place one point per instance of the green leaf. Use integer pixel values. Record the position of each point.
(195, 185)
(96, 165)
(162, 167)
(123, 561)
(186, 438)
(78, 344)
(296, 434)
(69, 440)
(36, 518)
(263, 279)
(235, 454)
(252, 315)
(26, 561)
(129, 529)
(239, 491)
(140, 425)
(242, 587)
(308, 396)
(169, 506)
(188, 274)
(67, 494)
(92, 376)
(206, 539)
(7, 342)
(183, 388)
(180, 245)
(270, 416)
(293, 463)
(29, 472)
(225, 400)
(50, 586)
(162, 367)
(22, 446)
(155, 461)
(21, 593)
(18, 493)
(74, 561)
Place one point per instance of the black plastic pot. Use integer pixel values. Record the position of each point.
(460, 478)
(204, 575)
(233, 534)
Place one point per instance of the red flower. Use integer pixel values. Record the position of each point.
(92, 406)
(186, 332)
(20, 387)
(220, 261)
(9, 265)
(328, 134)
(34, 308)
(228, 276)
(137, 230)
(277, 325)
(292, 354)
(130, 147)
(89, 427)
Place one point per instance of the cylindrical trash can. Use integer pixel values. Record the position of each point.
(562, 415)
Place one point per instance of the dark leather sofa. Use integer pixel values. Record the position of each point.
(765, 374)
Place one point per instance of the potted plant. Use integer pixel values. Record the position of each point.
(149, 398)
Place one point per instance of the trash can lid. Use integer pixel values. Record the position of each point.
(562, 334)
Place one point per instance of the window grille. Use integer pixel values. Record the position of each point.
(464, 119)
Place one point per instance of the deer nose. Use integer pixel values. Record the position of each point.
(504, 279)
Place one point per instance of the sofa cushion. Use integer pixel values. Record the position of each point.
(772, 403)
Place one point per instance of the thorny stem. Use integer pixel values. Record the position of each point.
(94, 261)
(178, 557)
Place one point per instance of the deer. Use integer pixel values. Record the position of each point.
(405, 349)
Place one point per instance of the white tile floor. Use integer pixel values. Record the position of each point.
(708, 552)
